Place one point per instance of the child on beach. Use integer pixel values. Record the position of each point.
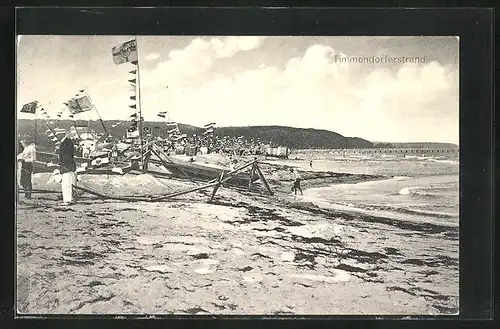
(296, 183)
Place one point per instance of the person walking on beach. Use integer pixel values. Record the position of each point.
(296, 183)
(28, 157)
(311, 164)
(68, 168)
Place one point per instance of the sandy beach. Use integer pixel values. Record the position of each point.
(243, 253)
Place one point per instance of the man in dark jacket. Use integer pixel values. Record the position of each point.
(67, 168)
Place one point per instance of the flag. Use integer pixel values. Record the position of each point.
(80, 104)
(30, 107)
(132, 106)
(133, 115)
(208, 125)
(132, 81)
(99, 161)
(133, 134)
(161, 115)
(125, 52)
(132, 98)
(132, 72)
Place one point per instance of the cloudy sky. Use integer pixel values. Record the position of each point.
(239, 81)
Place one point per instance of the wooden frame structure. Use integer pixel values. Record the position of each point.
(215, 183)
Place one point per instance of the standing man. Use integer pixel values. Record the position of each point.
(27, 159)
(311, 164)
(19, 163)
(68, 168)
(296, 183)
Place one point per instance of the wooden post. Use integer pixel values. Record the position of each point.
(216, 187)
(146, 157)
(263, 179)
(252, 173)
(185, 192)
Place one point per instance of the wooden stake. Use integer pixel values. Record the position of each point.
(263, 179)
(252, 173)
(216, 187)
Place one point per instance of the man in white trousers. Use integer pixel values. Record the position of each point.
(67, 168)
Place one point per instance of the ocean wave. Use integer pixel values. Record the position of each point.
(447, 161)
(418, 192)
(401, 210)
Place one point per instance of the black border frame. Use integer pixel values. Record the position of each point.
(473, 26)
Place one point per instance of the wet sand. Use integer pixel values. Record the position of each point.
(243, 253)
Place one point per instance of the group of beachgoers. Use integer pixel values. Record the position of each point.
(26, 157)
(216, 144)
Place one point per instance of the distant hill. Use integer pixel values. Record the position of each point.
(428, 145)
(295, 138)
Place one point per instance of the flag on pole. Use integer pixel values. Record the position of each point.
(132, 106)
(132, 98)
(132, 72)
(80, 104)
(132, 133)
(210, 125)
(125, 52)
(162, 115)
(30, 107)
(132, 81)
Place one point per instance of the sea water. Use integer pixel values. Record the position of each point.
(418, 188)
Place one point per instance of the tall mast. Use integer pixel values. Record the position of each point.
(98, 114)
(36, 122)
(139, 104)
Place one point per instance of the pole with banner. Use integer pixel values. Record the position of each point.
(139, 103)
(127, 53)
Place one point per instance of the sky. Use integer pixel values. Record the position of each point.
(298, 81)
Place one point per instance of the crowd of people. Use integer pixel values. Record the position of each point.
(70, 147)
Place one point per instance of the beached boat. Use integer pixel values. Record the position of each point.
(204, 172)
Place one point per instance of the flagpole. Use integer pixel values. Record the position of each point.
(99, 115)
(138, 87)
(36, 122)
